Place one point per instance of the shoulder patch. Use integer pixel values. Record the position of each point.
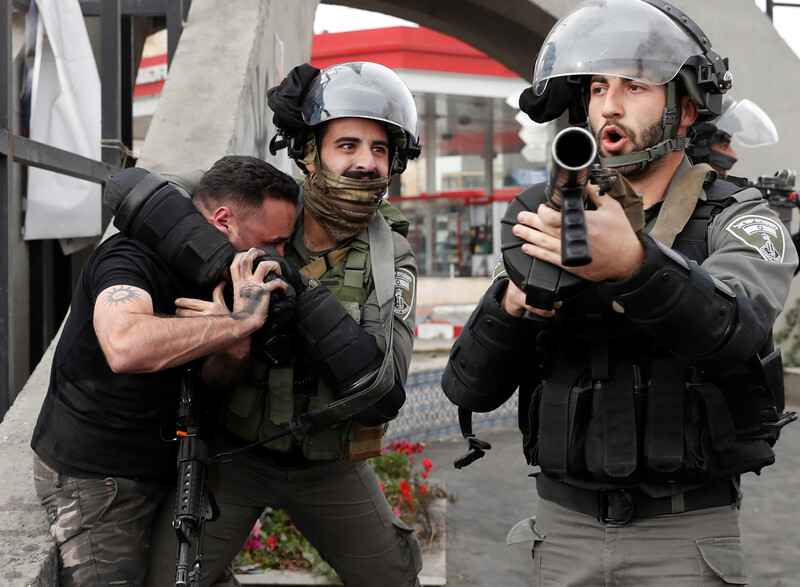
(761, 233)
(403, 292)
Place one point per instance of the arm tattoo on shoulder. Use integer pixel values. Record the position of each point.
(120, 295)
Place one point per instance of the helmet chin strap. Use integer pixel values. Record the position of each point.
(657, 151)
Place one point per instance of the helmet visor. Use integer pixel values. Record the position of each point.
(747, 124)
(623, 38)
(360, 90)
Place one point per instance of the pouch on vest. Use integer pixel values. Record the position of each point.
(707, 439)
(347, 278)
(366, 442)
(528, 417)
(280, 408)
(242, 412)
(665, 426)
(562, 421)
(612, 443)
(328, 444)
(771, 394)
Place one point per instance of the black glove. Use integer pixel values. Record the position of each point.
(272, 341)
(289, 272)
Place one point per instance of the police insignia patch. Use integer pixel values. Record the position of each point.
(403, 292)
(762, 233)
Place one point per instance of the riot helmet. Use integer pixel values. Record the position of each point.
(643, 40)
(354, 90)
(742, 122)
(746, 123)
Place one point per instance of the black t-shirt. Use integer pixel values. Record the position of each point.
(97, 423)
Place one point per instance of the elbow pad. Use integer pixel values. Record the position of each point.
(151, 210)
(347, 357)
(385, 409)
(487, 359)
(694, 315)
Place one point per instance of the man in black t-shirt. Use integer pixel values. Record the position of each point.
(104, 456)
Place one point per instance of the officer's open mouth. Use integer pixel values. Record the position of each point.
(613, 138)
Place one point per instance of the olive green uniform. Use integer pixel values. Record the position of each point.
(336, 503)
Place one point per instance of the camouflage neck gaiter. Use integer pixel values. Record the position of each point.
(342, 206)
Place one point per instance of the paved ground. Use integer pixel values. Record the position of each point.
(495, 492)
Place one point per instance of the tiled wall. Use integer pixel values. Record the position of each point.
(428, 414)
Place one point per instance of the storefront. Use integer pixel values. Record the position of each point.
(472, 138)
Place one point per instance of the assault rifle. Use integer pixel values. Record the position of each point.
(779, 191)
(194, 504)
(574, 165)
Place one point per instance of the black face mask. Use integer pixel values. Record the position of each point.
(721, 160)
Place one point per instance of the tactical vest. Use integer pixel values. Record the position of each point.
(595, 418)
(270, 397)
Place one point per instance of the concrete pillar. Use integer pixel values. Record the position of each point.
(214, 101)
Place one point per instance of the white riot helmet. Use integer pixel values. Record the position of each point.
(746, 123)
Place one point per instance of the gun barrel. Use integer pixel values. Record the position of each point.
(182, 565)
(574, 150)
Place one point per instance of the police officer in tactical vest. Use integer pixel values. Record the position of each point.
(645, 393)
(334, 376)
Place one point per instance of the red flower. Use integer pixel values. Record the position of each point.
(424, 474)
(271, 542)
(427, 464)
(423, 489)
(383, 488)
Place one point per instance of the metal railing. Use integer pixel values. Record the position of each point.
(117, 75)
(771, 4)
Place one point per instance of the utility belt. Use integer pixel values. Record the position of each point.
(618, 506)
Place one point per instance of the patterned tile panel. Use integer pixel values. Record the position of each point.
(428, 414)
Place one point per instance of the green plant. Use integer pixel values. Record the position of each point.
(407, 488)
(276, 544)
(790, 333)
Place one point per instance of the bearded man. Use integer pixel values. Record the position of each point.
(641, 392)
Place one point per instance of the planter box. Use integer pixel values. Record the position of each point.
(434, 564)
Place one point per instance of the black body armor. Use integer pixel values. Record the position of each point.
(634, 411)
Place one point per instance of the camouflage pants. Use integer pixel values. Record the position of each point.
(102, 526)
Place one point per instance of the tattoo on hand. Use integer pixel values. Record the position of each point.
(251, 295)
(120, 295)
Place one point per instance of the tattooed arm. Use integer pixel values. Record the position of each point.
(135, 340)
